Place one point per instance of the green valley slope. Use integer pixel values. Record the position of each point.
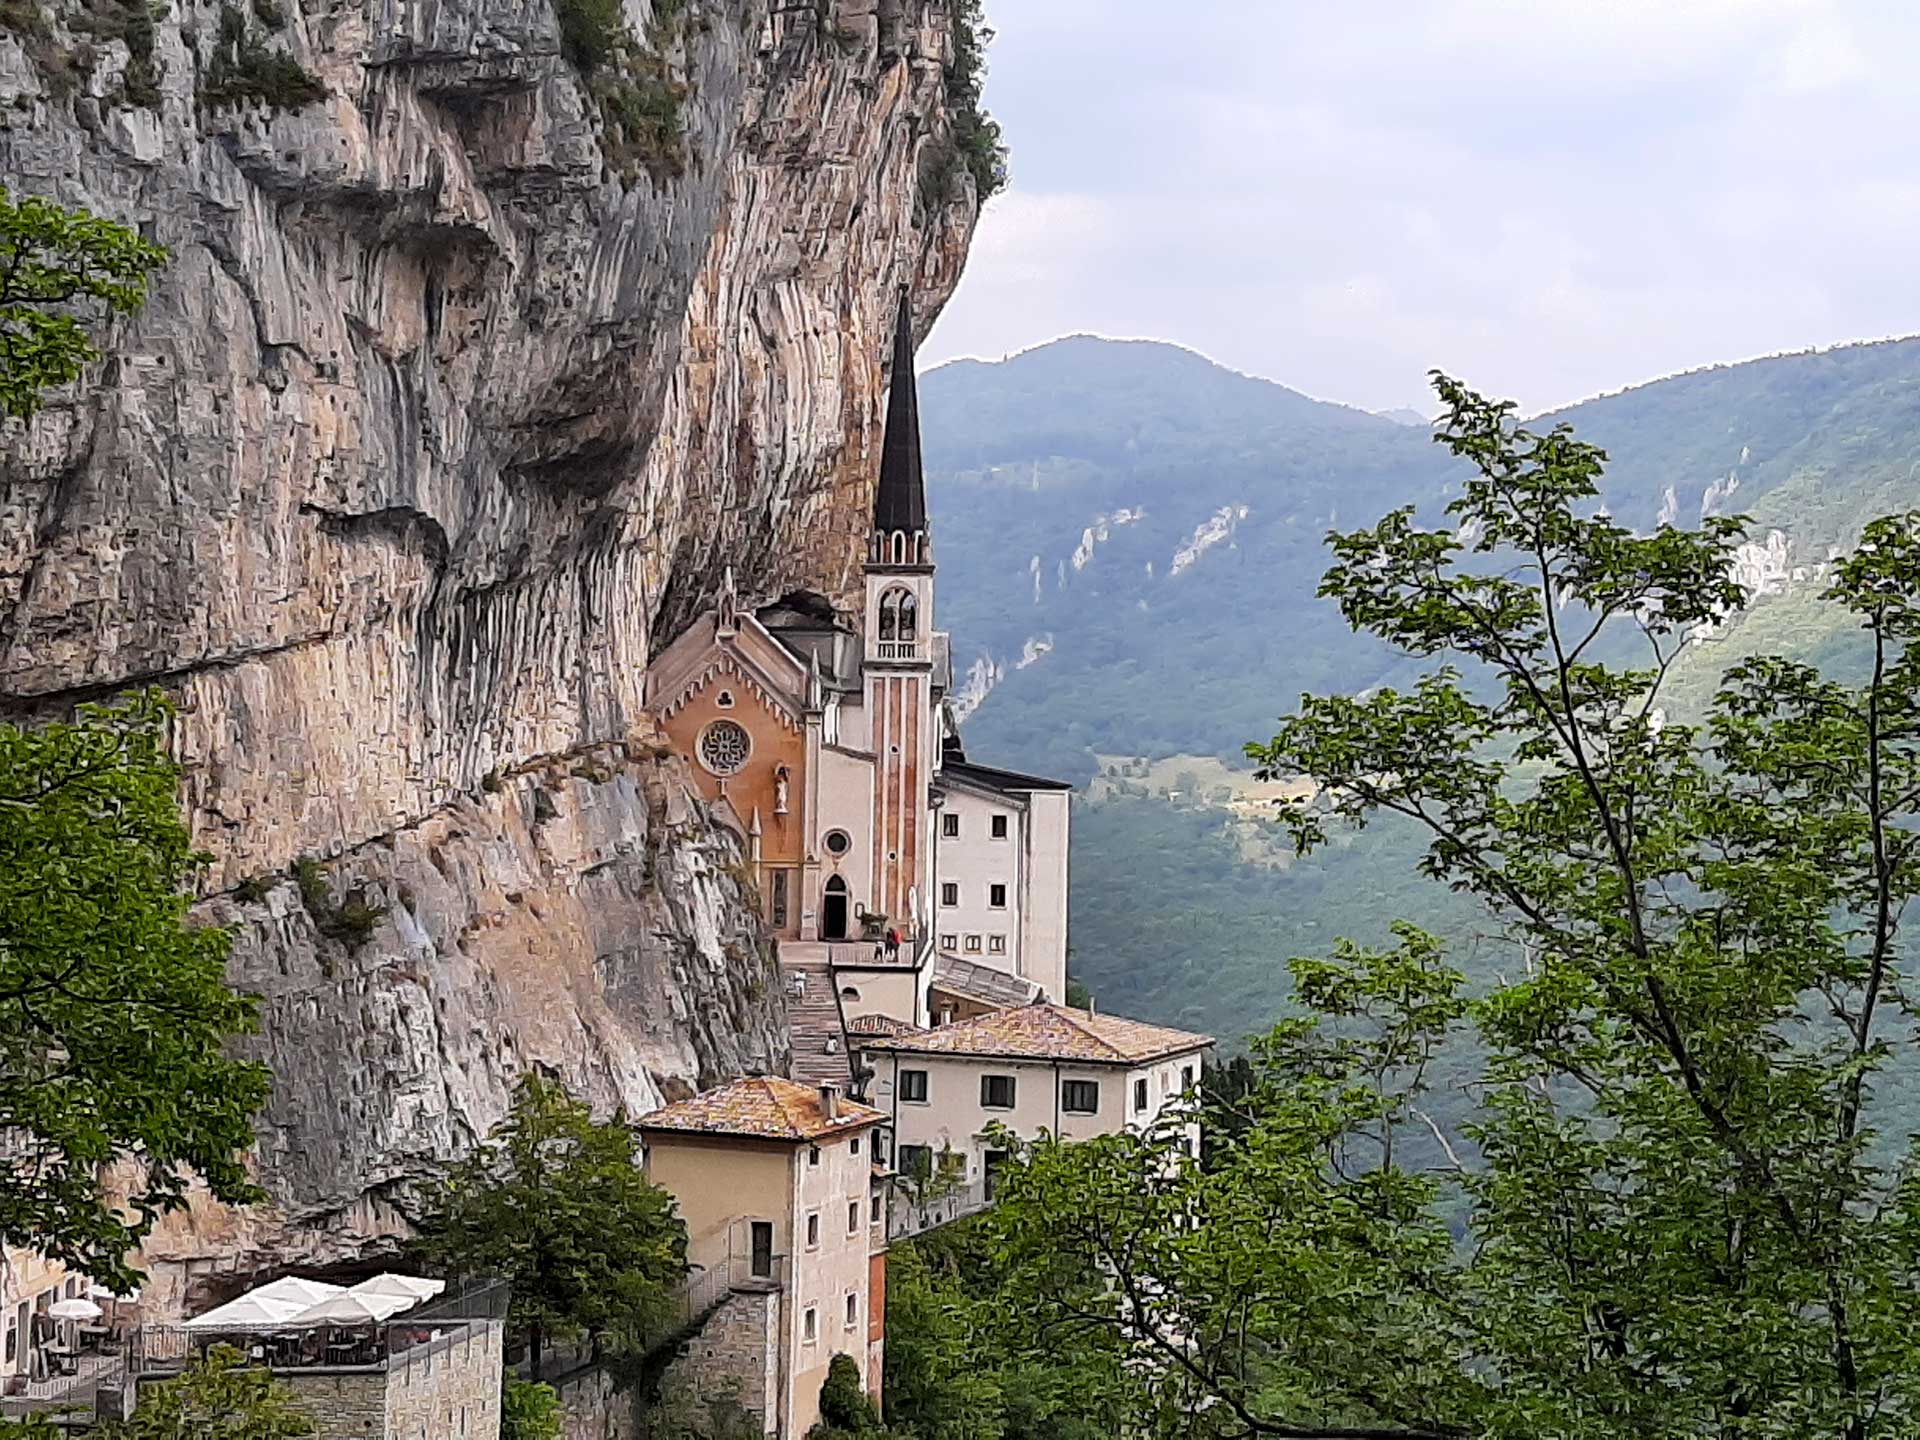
(1129, 539)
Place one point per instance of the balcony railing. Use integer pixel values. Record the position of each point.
(915, 1209)
(898, 649)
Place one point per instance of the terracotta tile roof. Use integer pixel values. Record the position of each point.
(880, 1025)
(1049, 1032)
(763, 1107)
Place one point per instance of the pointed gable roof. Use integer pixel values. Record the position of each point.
(761, 1107)
(900, 500)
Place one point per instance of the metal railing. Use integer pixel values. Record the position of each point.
(898, 649)
(915, 1209)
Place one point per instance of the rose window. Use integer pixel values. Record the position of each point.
(724, 747)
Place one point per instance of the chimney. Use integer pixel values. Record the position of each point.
(830, 1100)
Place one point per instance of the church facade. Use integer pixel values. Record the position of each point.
(929, 887)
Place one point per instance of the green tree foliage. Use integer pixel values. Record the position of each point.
(964, 1363)
(846, 1412)
(217, 1397)
(1693, 1212)
(62, 274)
(528, 1411)
(114, 1013)
(976, 139)
(555, 1202)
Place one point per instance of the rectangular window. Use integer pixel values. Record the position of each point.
(813, 1231)
(950, 826)
(779, 906)
(996, 1092)
(973, 944)
(1140, 1095)
(913, 1086)
(811, 1328)
(949, 942)
(853, 1218)
(1080, 1097)
(996, 944)
(813, 1155)
(999, 827)
(876, 1209)
(853, 1145)
(997, 896)
(1186, 1077)
(949, 892)
(762, 1233)
(853, 1309)
(916, 1161)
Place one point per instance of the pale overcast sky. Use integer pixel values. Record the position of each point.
(1549, 198)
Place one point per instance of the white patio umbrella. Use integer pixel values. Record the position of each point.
(413, 1288)
(251, 1311)
(297, 1289)
(349, 1309)
(74, 1309)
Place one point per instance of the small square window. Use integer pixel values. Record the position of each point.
(853, 1145)
(853, 1309)
(996, 1092)
(949, 892)
(810, 1328)
(913, 1085)
(853, 1218)
(1140, 1095)
(997, 896)
(1080, 1097)
(949, 942)
(813, 1231)
(999, 827)
(950, 826)
(916, 1161)
(996, 944)
(973, 944)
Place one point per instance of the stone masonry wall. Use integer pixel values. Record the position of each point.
(449, 1391)
(735, 1357)
(342, 1405)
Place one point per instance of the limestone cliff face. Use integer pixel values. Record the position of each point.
(433, 430)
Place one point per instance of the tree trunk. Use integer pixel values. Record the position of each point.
(533, 1349)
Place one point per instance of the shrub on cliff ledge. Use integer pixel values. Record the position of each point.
(977, 142)
(243, 71)
(114, 1011)
(632, 82)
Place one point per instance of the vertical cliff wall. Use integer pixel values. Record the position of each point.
(445, 414)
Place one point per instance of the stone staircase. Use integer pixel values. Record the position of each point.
(813, 1012)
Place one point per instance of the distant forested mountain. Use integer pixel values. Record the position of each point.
(1129, 538)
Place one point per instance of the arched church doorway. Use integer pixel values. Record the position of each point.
(833, 910)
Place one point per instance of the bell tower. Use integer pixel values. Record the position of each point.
(899, 652)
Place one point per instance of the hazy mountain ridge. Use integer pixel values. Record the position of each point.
(1130, 539)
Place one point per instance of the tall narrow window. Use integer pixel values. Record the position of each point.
(909, 616)
(999, 827)
(811, 1328)
(997, 896)
(890, 615)
(950, 826)
(779, 906)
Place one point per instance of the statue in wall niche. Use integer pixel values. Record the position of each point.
(780, 791)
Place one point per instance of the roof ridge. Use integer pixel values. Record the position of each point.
(1068, 1014)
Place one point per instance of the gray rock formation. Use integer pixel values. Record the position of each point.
(433, 430)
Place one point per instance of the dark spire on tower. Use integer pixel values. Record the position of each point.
(900, 501)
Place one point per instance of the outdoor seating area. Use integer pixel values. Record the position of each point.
(295, 1323)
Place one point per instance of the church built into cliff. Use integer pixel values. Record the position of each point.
(905, 883)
